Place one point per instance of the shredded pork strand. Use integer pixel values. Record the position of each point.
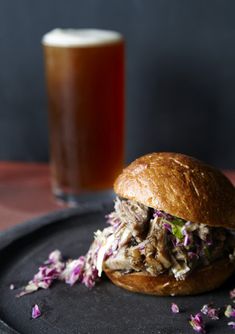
(131, 214)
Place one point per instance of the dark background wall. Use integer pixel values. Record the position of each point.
(180, 73)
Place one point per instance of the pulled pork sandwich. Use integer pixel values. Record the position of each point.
(171, 231)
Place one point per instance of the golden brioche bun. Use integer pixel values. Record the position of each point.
(200, 280)
(180, 185)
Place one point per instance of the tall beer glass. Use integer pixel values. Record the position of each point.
(85, 83)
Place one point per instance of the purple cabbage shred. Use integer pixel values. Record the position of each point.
(232, 324)
(210, 311)
(74, 271)
(36, 313)
(167, 226)
(162, 214)
(197, 323)
(232, 294)
(229, 311)
(174, 308)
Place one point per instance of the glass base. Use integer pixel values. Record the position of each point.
(95, 198)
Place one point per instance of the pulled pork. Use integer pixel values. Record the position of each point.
(142, 239)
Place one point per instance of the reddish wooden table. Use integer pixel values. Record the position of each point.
(25, 192)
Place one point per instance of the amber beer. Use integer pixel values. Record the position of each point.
(85, 82)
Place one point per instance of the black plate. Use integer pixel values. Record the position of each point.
(65, 309)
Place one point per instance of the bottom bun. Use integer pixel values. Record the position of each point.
(201, 280)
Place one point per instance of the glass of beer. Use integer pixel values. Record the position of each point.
(85, 83)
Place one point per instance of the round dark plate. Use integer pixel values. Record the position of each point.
(104, 309)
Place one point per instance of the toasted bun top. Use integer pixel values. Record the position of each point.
(180, 185)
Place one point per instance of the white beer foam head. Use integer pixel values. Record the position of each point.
(80, 37)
